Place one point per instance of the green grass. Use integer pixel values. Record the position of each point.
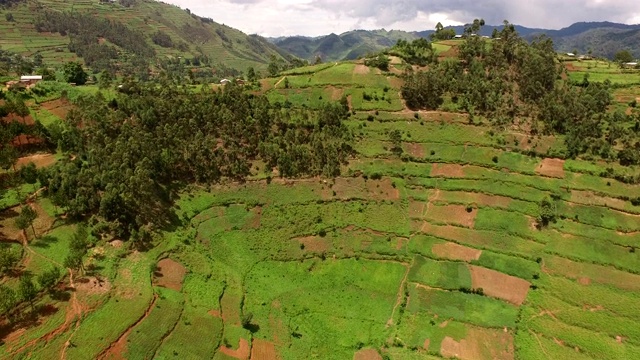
(440, 274)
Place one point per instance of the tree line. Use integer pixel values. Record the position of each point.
(510, 81)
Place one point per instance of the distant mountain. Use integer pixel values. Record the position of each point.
(347, 46)
(113, 29)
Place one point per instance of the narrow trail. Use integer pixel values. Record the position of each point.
(115, 350)
(540, 343)
(425, 208)
(75, 313)
(400, 296)
(278, 83)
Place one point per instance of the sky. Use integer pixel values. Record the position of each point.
(273, 18)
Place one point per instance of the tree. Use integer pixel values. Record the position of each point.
(546, 212)
(105, 79)
(8, 299)
(395, 136)
(27, 290)
(74, 73)
(8, 259)
(29, 173)
(26, 218)
(251, 75)
(623, 56)
(49, 278)
(9, 17)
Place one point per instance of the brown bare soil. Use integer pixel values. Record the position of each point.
(216, 313)
(447, 170)
(40, 160)
(241, 353)
(452, 214)
(589, 198)
(367, 354)
(93, 286)
(256, 213)
(59, 108)
(336, 93)
(426, 344)
(453, 251)
(361, 70)
(551, 168)
(170, 274)
(480, 344)
(27, 120)
(415, 149)
(497, 284)
(263, 350)
(315, 243)
(117, 243)
(359, 188)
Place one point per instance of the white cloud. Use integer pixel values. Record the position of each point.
(320, 17)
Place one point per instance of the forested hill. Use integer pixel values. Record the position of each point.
(346, 46)
(103, 30)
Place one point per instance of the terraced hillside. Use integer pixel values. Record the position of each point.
(432, 250)
(221, 43)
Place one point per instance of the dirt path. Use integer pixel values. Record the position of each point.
(400, 294)
(278, 83)
(75, 313)
(118, 347)
(425, 209)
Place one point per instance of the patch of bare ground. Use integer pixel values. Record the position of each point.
(426, 344)
(453, 251)
(40, 160)
(263, 350)
(116, 243)
(447, 170)
(551, 168)
(59, 107)
(359, 188)
(215, 313)
(395, 60)
(256, 217)
(242, 352)
(314, 244)
(452, 214)
(499, 285)
(589, 198)
(361, 69)
(415, 149)
(480, 344)
(367, 354)
(336, 93)
(170, 274)
(92, 285)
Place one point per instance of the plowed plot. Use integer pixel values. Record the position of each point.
(415, 149)
(170, 274)
(367, 354)
(336, 93)
(454, 251)
(586, 273)
(59, 108)
(480, 344)
(27, 120)
(41, 160)
(314, 244)
(499, 285)
(361, 70)
(263, 350)
(452, 214)
(589, 198)
(359, 188)
(472, 198)
(551, 168)
(241, 353)
(447, 170)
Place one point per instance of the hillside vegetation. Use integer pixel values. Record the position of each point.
(103, 30)
(404, 209)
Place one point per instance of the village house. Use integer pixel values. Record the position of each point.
(30, 79)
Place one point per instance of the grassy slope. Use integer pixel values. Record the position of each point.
(147, 16)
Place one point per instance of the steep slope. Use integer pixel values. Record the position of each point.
(346, 46)
(181, 32)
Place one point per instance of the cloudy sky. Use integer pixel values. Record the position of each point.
(321, 17)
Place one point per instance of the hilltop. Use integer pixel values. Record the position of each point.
(151, 29)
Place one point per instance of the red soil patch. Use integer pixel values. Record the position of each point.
(93, 286)
(26, 140)
(426, 344)
(59, 108)
(314, 243)
(41, 160)
(447, 170)
(497, 284)
(367, 354)
(453, 251)
(452, 214)
(551, 168)
(263, 350)
(170, 274)
(215, 313)
(241, 353)
(336, 93)
(415, 149)
(361, 70)
(480, 344)
(359, 188)
(27, 120)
